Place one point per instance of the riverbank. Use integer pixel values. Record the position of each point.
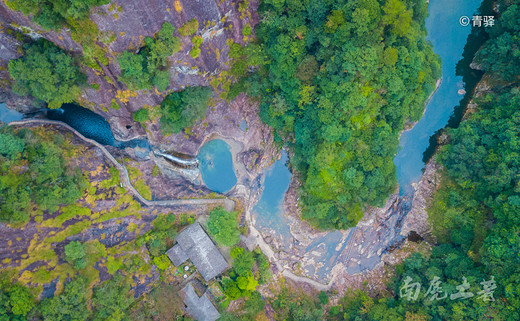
(410, 125)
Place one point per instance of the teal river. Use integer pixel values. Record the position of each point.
(216, 164)
(448, 38)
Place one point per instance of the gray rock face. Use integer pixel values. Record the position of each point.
(130, 21)
(417, 218)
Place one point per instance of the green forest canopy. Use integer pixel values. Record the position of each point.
(54, 14)
(223, 226)
(33, 170)
(47, 73)
(476, 214)
(182, 109)
(340, 80)
(149, 67)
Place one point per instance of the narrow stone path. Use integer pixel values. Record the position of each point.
(228, 204)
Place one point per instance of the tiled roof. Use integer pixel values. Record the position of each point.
(193, 243)
(177, 255)
(201, 309)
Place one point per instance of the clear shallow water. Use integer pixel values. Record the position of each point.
(269, 210)
(216, 166)
(448, 38)
(8, 115)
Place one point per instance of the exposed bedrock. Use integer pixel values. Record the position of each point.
(131, 21)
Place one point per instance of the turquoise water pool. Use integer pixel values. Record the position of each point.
(8, 115)
(216, 166)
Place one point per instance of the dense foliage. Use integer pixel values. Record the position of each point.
(15, 302)
(223, 226)
(501, 53)
(241, 282)
(47, 73)
(248, 270)
(111, 299)
(339, 82)
(141, 115)
(182, 109)
(149, 67)
(34, 170)
(296, 305)
(54, 14)
(70, 305)
(75, 254)
(476, 213)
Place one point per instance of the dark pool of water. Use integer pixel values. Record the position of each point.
(216, 166)
(92, 125)
(448, 38)
(85, 121)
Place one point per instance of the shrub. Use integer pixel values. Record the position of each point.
(162, 262)
(141, 115)
(180, 110)
(223, 226)
(246, 31)
(189, 27)
(194, 53)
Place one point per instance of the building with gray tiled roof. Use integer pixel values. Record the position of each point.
(200, 309)
(193, 243)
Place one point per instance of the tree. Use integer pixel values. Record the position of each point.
(231, 289)
(500, 54)
(254, 304)
(141, 115)
(21, 300)
(113, 264)
(53, 14)
(247, 283)
(323, 297)
(223, 226)
(180, 110)
(47, 73)
(110, 299)
(150, 65)
(134, 71)
(243, 260)
(11, 146)
(75, 254)
(162, 262)
(35, 172)
(70, 305)
(337, 81)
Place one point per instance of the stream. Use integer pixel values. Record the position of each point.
(448, 38)
(216, 161)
